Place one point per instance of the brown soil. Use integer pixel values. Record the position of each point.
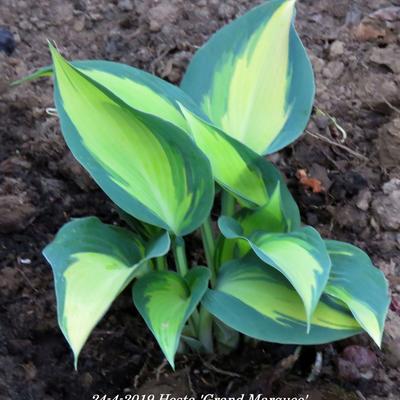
(356, 59)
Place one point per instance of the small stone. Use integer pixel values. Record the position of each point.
(226, 11)
(7, 42)
(387, 210)
(125, 5)
(162, 14)
(318, 63)
(337, 49)
(364, 199)
(391, 186)
(79, 23)
(86, 380)
(333, 70)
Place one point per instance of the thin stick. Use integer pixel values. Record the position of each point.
(390, 105)
(221, 371)
(342, 146)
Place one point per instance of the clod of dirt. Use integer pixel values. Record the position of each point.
(389, 144)
(376, 90)
(346, 215)
(388, 56)
(356, 362)
(125, 5)
(362, 357)
(386, 208)
(7, 42)
(380, 25)
(162, 14)
(71, 169)
(333, 70)
(176, 384)
(16, 213)
(347, 371)
(391, 339)
(9, 280)
(348, 185)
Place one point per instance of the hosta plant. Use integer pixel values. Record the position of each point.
(163, 154)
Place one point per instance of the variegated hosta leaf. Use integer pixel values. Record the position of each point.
(254, 80)
(92, 263)
(166, 300)
(139, 89)
(275, 216)
(147, 166)
(259, 302)
(355, 281)
(241, 171)
(300, 255)
(234, 166)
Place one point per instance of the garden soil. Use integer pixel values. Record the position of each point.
(344, 173)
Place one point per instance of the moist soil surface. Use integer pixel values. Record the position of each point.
(344, 173)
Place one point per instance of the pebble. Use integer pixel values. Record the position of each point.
(364, 199)
(337, 49)
(7, 42)
(387, 210)
(125, 5)
(162, 14)
(333, 70)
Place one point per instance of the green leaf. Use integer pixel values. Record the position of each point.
(300, 255)
(275, 216)
(166, 300)
(139, 89)
(259, 302)
(238, 169)
(355, 281)
(92, 263)
(40, 73)
(254, 80)
(234, 166)
(147, 166)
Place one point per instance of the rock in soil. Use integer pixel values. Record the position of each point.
(356, 362)
(16, 213)
(386, 208)
(388, 56)
(7, 42)
(389, 144)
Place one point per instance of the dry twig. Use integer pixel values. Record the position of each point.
(333, 143)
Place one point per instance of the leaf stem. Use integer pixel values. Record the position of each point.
(180, 256)
(161, 264)
(228, 203)
(205, 330)
(209, 248)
